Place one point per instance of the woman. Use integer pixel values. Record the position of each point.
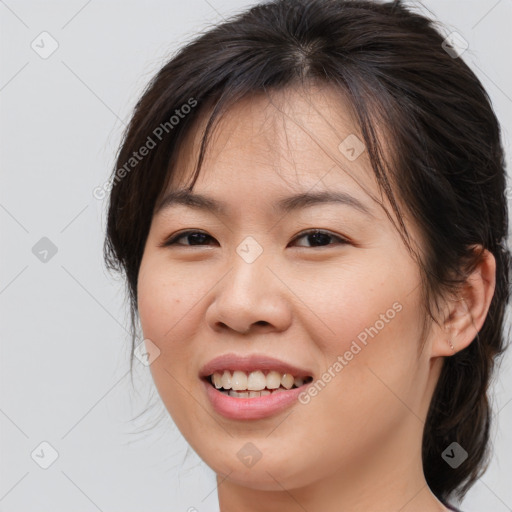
(309, 209)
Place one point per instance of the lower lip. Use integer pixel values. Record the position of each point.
(251, 408)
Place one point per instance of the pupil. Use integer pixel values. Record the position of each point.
(318, 238)
(196, 238)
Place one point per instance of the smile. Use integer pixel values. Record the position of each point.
(252, 386)
(240, 384)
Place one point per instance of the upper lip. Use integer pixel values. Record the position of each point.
(249, 363)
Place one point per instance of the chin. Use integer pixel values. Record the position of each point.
(270, 475)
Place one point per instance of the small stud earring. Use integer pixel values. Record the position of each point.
(451, 346)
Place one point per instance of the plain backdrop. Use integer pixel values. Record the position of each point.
(64, 352)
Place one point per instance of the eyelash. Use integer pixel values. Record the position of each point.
(173, 240)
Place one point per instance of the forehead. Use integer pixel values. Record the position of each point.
(295, 140)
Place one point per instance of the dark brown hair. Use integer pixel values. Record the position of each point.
(446, 165)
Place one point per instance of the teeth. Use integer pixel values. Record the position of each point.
(237, 394)
(298, 381)
(239, 380)
(273, 380)
(252, 394)
(287, 381)
(256, 383)
(217, 380)
(226, 380)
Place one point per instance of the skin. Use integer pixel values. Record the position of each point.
(356, 446)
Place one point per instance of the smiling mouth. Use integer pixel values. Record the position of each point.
(240, 384)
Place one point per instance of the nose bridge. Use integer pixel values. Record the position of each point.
(249, 274)
(250, 250)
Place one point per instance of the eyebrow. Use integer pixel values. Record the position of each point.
(190, 199)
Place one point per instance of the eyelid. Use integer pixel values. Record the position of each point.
(341, 239)
(176, 236)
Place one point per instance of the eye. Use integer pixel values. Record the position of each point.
(193, 237)
(315, 237)
(319, 238)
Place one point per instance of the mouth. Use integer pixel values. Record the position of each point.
(255, 384)
(252, 386)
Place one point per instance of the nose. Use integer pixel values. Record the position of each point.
(250, 297)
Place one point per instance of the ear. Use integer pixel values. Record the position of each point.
(465, 316)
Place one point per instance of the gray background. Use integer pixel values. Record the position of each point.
(64, 352)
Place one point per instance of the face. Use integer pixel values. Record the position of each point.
(281, 290)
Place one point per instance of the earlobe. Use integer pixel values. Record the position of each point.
(467, 313)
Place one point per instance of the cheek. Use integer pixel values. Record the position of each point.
(366, 326)
(170, 316)
(369, 393)
(359, 301)
(169, 300)
(166, 300)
